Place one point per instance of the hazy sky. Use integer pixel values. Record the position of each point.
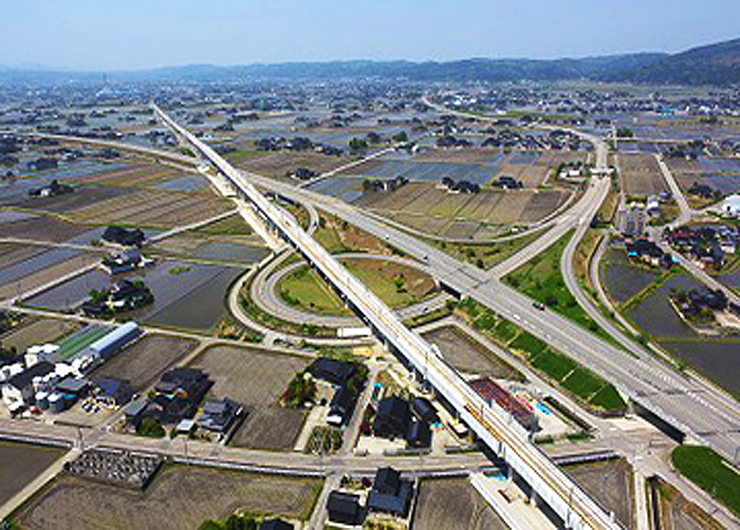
(110, 34)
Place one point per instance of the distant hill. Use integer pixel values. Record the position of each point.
(464, 70)
(716, 64)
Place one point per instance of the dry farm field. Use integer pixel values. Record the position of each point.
(468, 355)
(144, 361)
(435, 210)
(153, 208)
(179, 497)
(21, 463)
(255, 379)
(37, 331)
(453, 504)
(279, 163)
(639, 174)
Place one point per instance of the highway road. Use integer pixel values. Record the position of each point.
(702, 410)
(493, 425)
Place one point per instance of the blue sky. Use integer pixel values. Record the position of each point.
(132, 34)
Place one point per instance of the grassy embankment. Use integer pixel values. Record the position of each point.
(710, 472)
(555, 366)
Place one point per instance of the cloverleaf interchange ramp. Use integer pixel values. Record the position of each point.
(493, 425)
(701, 411)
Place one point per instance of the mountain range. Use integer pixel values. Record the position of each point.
(715, 64)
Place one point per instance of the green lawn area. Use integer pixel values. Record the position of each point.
(305, 288)
(506, 331)
(397, 285)
(710, 472)
(329, 238)
(541, 279)
(488, 255)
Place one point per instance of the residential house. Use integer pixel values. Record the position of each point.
(392, 418)
(344, 508)
(19, 390)
(390, 493)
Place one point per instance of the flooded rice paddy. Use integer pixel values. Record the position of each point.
(188, 295)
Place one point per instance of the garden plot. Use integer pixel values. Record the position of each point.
(143, 362)
(47, 275)
(639, 174)
(179, 497)
(36, 263)
(623, 279)
(429, 204)
(256, 379)
(202, 307)
(487, 157)
(138, 174)
(716, 359)
(81, 170)
(349, 189)
(231, 252)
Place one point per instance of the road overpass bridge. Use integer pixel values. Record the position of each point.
(492, 424)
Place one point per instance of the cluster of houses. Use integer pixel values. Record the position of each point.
(507, 182)
(703, 191)
(51, 190)
(127, 237)
(124, 295)
(124, 261)
(46, 378)
(448, 141)
(347, 382)
(9, 145)
(707, 245)
(384, 184)
(508, 139)
(299, 143)
(390, 494)
(699, 299)
(175, 401)
(42, 163)
(302, 173)
(398, 419)
(648, 252)
(460, 186)
(632, 218)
